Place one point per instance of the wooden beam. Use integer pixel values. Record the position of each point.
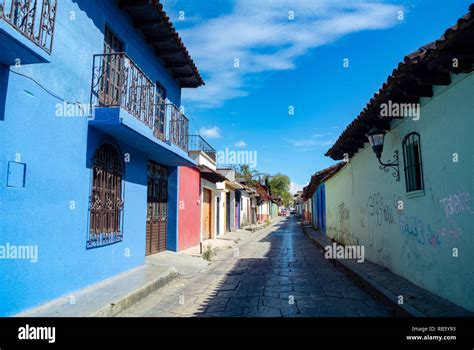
(183, 76)
(160, 40)
(430, 78)
(149, 23)
(358, 138)
(172, 65)
(416, 90)
(133, 4)
(168, 52)
(453, 62)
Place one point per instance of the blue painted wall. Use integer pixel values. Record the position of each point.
(51, 211)
(4, 73)
(319, 209)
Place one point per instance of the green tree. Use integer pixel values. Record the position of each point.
(280, 186)
(250, 176)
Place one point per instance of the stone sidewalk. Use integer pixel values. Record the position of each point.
(387, 286)
(114, 295)
(107, 298)
(277, 272)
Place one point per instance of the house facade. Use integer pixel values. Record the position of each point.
(94, 150)
(315, 193)
(210, 188)
(228, 199)
(412, 210)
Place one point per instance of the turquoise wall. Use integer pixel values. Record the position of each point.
(418, 241)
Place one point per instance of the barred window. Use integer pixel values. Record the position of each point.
(106, 203)
(413, 163)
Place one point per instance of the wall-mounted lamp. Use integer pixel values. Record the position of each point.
(376, 139)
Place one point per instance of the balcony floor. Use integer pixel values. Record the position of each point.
(15, 46)
(123, 126)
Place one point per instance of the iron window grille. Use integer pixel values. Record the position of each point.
(413, 162)
(35, 19)
(106, 199)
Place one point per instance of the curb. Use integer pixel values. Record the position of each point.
(375, 289)
(124, 303)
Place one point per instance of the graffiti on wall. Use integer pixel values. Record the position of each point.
(344, 234)
(413, 227)
(455, 204)
(343, 212)
(451, 205)
(422, 233)
(378, 213)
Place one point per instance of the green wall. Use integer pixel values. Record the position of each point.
(418, 241)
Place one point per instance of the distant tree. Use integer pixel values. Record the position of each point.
(249, 176)
(280, 186)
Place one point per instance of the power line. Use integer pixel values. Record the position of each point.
(79, 104)
(190, 115)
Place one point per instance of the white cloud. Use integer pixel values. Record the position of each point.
(262, 37)
(210, 133)
(294, 187)
(316, 141)
(240, 144)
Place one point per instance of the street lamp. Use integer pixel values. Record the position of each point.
(376, 139)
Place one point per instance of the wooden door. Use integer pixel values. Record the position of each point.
(227, 215)
(224, 214)
(218, 215)
(206, 214)
(157, 214)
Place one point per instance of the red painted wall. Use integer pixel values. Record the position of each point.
(189, 208)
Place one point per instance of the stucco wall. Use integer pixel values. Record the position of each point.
(417, 242)
(57, 153)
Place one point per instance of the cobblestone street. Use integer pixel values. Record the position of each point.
(276, 272)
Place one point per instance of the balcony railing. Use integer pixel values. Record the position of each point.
(119, 82)
(35, 19)
(179, 126)
(197, 143)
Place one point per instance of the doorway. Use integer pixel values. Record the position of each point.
(157, 213)
(227, 211)
(206, 214)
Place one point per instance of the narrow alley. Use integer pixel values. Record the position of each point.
(277, 272)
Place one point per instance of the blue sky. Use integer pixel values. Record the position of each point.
(299, 63)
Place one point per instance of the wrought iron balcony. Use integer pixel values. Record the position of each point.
(119, 82)
(197, 143)
(35, 19)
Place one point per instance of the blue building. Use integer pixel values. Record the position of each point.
(315, 196)
(92, 142)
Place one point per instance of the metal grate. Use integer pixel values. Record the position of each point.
(35, 19)
(119, 82)
(106, 203)
(197, 143)
(413, 163)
